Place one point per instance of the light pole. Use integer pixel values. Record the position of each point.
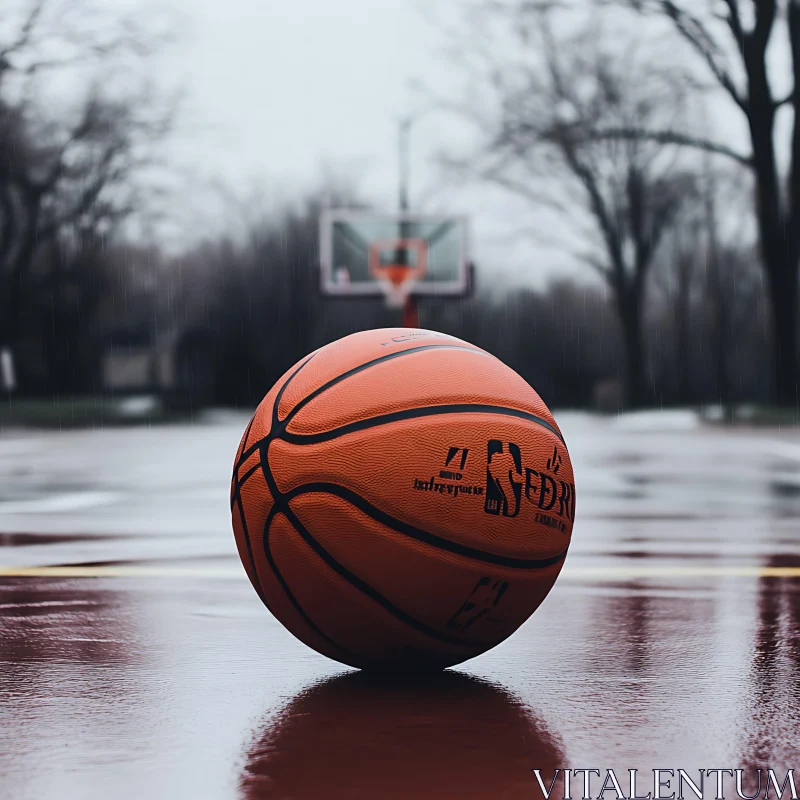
(403, 147)
(404, 125)
(411, 306)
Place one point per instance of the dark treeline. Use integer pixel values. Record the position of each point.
(257, 304)
(680, 305)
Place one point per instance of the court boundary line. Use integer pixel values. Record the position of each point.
(595, 572)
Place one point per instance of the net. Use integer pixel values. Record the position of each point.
(396, 264)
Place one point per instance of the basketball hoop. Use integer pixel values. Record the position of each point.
(397, 264)
(396, 294)
(400, 257)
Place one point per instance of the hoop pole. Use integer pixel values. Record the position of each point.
(404, 162)
(411, 312)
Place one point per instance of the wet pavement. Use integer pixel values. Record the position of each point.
(138, 662)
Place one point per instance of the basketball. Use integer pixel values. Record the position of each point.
(402, 500)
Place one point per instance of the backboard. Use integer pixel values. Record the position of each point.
(364, 253)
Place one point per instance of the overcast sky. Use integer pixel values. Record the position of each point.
(292, 85)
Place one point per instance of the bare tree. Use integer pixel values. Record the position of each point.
(715, 289)
(73, 167)
(706, 283)
(675, 287)
(732, 40)
(616, 197)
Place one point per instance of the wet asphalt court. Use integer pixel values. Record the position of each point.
(138, 662)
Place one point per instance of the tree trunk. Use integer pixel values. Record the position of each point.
(715, 290)
(783, 301)
(18, 268)
(781, 262)
(778, 241)
(721, 351)
(629, 307)
(682, 327)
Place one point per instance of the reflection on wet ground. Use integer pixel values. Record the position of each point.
(30, 539)
(449, 735)
(772, 732)
(671, 640)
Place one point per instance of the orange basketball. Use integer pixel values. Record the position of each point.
(401, 499)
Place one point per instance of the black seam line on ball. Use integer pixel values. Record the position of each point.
(375, 361)
(414, 413)
(258, 587)
(242, 458)
(235, 483)
(246, 453)
(238, 484)
(369, 591)
(276, 421)
(356, 500)
(247, 432)
(285, 586)
(279, 426)
(280, 505)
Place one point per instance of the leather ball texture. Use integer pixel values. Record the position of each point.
(402, 500)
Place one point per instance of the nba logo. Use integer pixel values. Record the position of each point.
(503, 479)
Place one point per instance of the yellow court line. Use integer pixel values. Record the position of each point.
(710, 571)
(597, 572)
(119, 572)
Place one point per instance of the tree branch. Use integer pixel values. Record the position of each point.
(26, 31)
(734, 21)
(597, 265)
(599, 209)
(694, 31)
(90, 124)
(671, 137)
(668, 198)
